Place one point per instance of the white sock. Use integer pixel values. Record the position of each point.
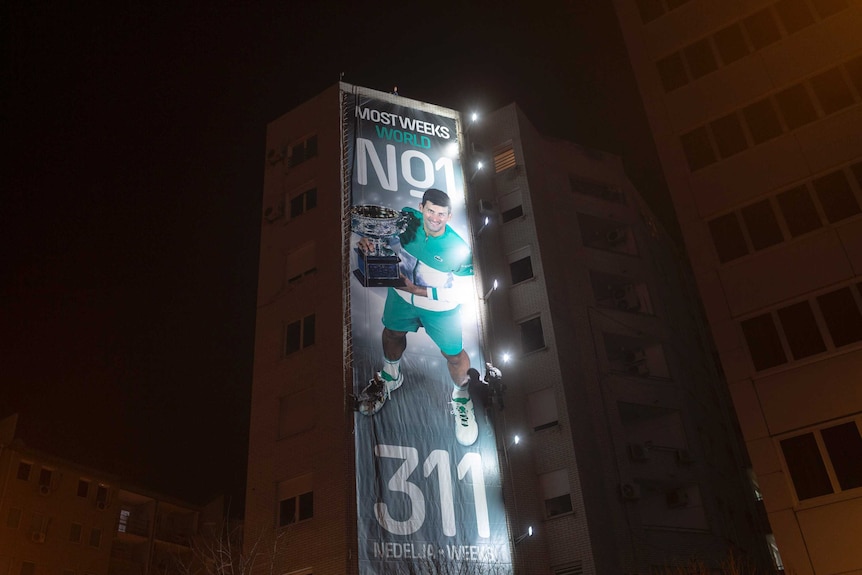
(392, 368)
(461, 391)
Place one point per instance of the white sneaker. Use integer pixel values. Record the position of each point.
(466, 429)
(375, 394)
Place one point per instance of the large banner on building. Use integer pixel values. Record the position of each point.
(428, 484)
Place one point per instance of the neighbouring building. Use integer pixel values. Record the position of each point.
(608, 446)
(756, 110)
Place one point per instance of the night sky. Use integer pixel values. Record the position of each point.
(132, 190)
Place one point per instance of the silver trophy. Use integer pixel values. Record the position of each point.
(379, 265)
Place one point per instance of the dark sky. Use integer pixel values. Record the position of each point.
(132, 190)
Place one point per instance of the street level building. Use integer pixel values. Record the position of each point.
(756, 110)
(613, 433)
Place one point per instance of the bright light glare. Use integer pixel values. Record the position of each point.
(496, 283)
(474, 116)
(487, 220)
(479, 165)
(517, 439)
(452, 150)
(506, 357)
(530, 531)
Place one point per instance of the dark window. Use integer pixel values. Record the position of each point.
(698, 149)
(295, 509)
(521, 270)
(842, 316)
(727, 237)
(762, 226)
(825, 8)
(728, 135)
(832, 91)
(763, 342)
(798, 210)
(795, 106)
(299, 334)
(730, 44)
(801, 331)
(672, 72)
(13, 519)
(836, 196)
(95, 537)
(75, 532)
(45, 477)
(762, 120)
(700, 58)
(762, 29)
(674, 4)
(303, 202)
(806, 467)
(512, 213)
(854, 70)
(83, 488)
(24, 470)
(857, 171)
(794, 14)
(558, 505)
(303, 151)
(102, 494)
(650, 10)
(844, 446)
(28, 568)
(532, 336)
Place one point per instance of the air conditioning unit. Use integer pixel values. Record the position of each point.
(635, 356)
(630, 491)
(684, 456)
(44, 489)
(677, 498)
(101, 505)
(616, 237)
(37, 537)
(274, 212)
(639, 369)
(638, 452)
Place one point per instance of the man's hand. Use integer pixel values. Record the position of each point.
(411, 287)
(366, 245)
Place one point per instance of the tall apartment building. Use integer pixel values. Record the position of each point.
(756, 110)
(62, 518)
(613, 441)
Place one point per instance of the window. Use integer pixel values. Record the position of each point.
(45, 475)
(299, 335)
(28, 568)
(836, 197)
(511, 206)
(542, 409)
(302, 151)
(701, 60)
(39, 525)
(800, 328)
(672, 72)
(731, 44)
(504, 158)
(521, 269)
(102, 495)
(296, 413)
(83, 488)
(832, 91)
(796, 106)
(75, 531)
(555, 491)
(854, 70)
(762, 226)
(532, 336)
(24, 470)
(762, 29)
(807, 460)
(842, 316)
(300, 263)
(95, 537)
(123, 523)
(728, 135)
(727, 237)
(13, 519)
(295, 500)
(763, 342)
(302, 202)
(794, 14)
(798, 210)
(762, 121)
(650, 10)
(595, 189)
(698, 149)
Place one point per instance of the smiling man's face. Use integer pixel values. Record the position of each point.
(434, 218)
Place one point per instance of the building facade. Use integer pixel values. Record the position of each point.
(756, 111)
(615, 441)
(61, 518)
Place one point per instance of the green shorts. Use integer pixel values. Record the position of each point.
(443, 327)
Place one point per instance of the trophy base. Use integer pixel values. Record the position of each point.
(378, 271)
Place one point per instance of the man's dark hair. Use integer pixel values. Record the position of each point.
(437, 197)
